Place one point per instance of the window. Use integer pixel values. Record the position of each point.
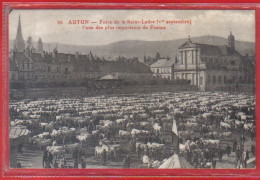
(23, 66)
(201, 80)
(36, 77)
(214, 79)
(225, 79)
(219, 79)
(66, 70)
(28, 66)
(49, 69)
(185, 57)
(58, 69)
(192, 58)
(158, 71)
(208, 79)
(233, 62)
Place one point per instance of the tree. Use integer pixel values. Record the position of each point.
(158, 56)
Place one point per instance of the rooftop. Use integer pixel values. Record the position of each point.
(163, 63)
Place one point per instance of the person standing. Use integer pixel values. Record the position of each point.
(234, 145)
(228, 150)
(126, 162)
(76, 158)
(50, 159)
(238, 153)
(55, 164)
(44, 158)
(104, 156)
(214, 162)
(139, 150)
(220, 154)
(83, 162)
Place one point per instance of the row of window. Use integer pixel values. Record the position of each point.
(221, 60)
(58, 69)
(162, 70)
(26, 66)
(223, 79)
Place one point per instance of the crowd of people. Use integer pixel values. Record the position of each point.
(137, 128)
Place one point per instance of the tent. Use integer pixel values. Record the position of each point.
(176, 162)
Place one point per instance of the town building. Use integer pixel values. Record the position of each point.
(211, 67)
(33, 66)
(163, 68)
(19, 44)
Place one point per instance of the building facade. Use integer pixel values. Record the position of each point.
(211, 67)
(31, 65)
(163, 68)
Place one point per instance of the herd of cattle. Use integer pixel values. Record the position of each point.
(134, 123)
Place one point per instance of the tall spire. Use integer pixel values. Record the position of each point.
(19, 42)
(231, 41)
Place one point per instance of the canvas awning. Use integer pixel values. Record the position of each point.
(176, 162)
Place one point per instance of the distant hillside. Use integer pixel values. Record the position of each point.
(134, 48)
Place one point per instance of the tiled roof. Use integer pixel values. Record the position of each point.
(163, 63)
(20, 57)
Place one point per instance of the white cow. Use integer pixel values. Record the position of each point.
(123, 133)
(225, 125)
(157, 127)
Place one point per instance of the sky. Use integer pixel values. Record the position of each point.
(43, 24)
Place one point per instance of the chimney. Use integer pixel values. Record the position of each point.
(43, 54)
(77, 55)
(54, 53)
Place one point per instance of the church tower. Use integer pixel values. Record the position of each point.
(19, 44)
(231, 41)
(40, 45)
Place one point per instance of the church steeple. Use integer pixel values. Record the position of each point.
(231, 41)
(40, 45)
(19, 44)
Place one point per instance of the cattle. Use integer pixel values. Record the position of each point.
(211, 142)
(156, 127)
(248, 126)
(225, 126)
(135, 132)
(226, 134)
(123, 133)
(145, 159)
